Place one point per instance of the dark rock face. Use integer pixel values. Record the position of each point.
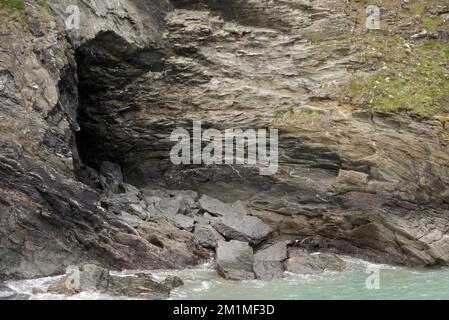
(49, 220)
(368, 184)
(235, 260)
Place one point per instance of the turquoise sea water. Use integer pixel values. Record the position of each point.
(394, 283)
(205, 283)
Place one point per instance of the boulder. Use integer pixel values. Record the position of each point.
(235, 260)
(94, 278)
(268, 262)
(218, 208)
(244, 228)
(275, 252)
(121, 202)
(111, 177)
(141, 286)
(302, 262)
(207, 236)
(168, 206)
(181, 221)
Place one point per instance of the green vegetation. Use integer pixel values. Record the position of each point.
(15, 10)
(11, 5)
(410, 77)
(45, 6)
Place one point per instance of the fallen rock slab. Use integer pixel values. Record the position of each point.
(244, 228)
(217, 208)
(302, 262)
(235, 260)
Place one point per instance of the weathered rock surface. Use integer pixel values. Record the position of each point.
(218, 208)
(111, 177)
(368, 184)
(244, 228)
(268, 262)
(302, 262)
(235, 260)
(94, 278)
(207, 236)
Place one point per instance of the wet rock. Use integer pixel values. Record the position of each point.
(94, 278)
(268, 261)
(173, 282)
(220, 209)
(141, 286)
(235, 260)
(207, 236)
(6, 293)
(302, 262)
(111, 177)
(244, 228)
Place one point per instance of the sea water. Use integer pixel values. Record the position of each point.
(205, 283)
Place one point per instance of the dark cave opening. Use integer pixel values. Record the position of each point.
(106, 65)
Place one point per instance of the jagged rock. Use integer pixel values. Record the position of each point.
(300, 261)
(268, 262)
(235, 260)
(244, 228)
(207, 236)
(111, 177)
(218, 208)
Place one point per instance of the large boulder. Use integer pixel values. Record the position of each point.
(244, 228)
(218, 208)
(93, 278)
(207, 236)
(235, 260)
(302, 262)
(268, 261)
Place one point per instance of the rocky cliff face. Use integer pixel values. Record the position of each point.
(354, 181)
(48, 219)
